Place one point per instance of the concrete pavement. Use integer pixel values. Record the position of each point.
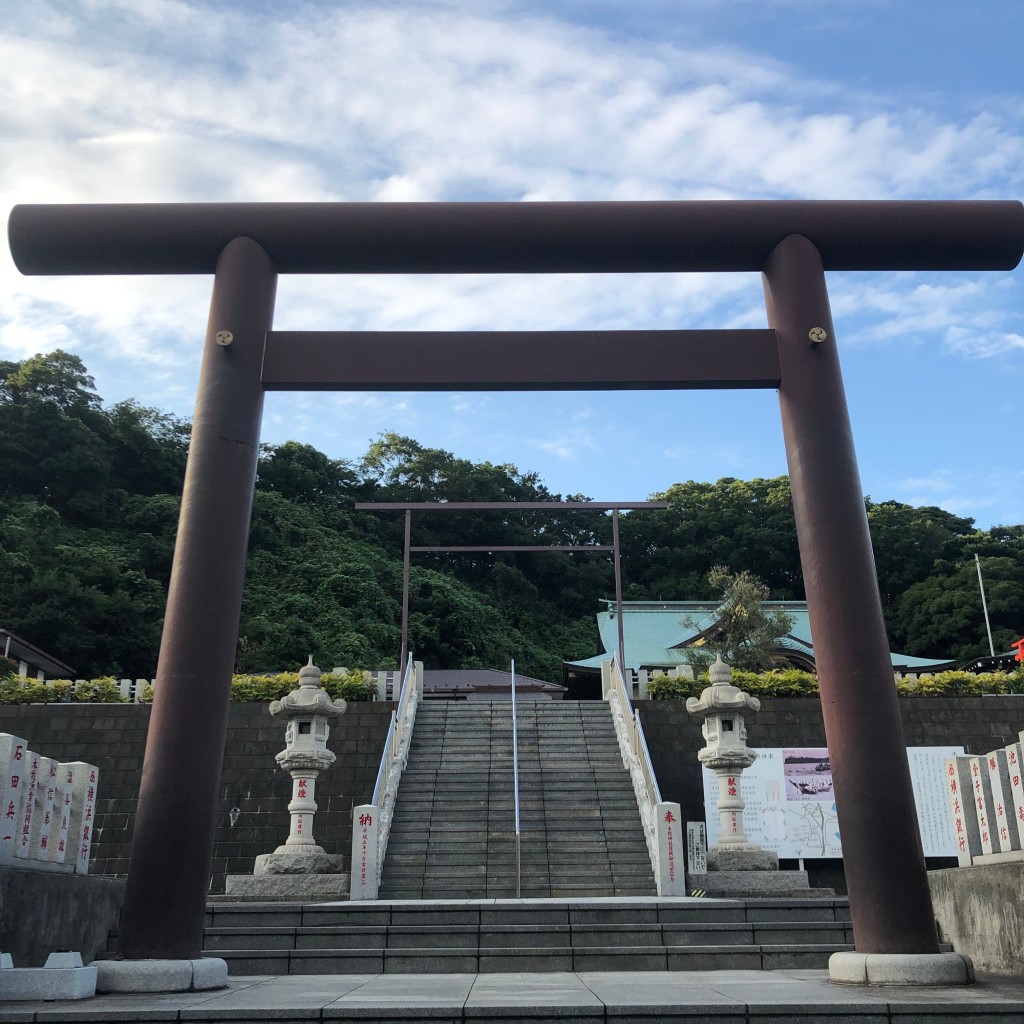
(722, 997)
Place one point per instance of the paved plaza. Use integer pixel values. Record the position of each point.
(722, 997)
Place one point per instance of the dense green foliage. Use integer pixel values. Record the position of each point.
(89, 499)
(794, 683)
(351, 686)
(746, 631)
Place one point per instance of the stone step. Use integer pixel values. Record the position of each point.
(535, 936)
(473, 960)
(223, 913)
(453, 820)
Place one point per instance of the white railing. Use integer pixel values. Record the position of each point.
(660, 818)
(515, 780)
(639, 679)
(371, 823)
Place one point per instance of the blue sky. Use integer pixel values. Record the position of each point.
(166, 100)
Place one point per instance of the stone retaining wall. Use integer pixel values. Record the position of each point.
(980, 724)
(980, 910)
(113, 737)
(42, 912)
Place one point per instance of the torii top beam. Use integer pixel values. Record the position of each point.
(570, 237)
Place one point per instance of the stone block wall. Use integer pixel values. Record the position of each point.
(979, 723)
(113, 737)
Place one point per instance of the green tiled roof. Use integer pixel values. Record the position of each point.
(655, 634)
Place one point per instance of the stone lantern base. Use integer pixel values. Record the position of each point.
(748, 857)
(755, 884)
(292, 874)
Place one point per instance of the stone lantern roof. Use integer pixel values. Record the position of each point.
(309, 698)
(721, 695)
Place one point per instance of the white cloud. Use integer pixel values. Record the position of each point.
(166, 100)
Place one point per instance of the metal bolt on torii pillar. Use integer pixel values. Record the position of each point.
(793, 243)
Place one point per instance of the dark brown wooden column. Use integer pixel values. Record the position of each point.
(882, 854)
(169, 870)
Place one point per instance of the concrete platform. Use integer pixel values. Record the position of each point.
(721, 997)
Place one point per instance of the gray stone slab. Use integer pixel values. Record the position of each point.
(426, 995)
(338, 961)
(553, 994)
(710, 959)
(241, 916)
(247, 963)
(249, 938)
(524, 936)
(453, 961)
(519, 961)
(121, 1006)
(373, 937)
(622, 959)
(699, 934)
(274, 997)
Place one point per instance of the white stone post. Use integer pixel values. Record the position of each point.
(720, 707)
(1015, 764)
(1004, 825)
(983, 807)
(42, 815)
(84, 779)
(13, 754)
(365, 852)
(959, 789)
(29, 781)
(671, 861)
(58, 849)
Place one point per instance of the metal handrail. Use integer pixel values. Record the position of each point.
(515, 779)
(394, 736)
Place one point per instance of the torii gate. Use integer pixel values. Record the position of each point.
(791, 244)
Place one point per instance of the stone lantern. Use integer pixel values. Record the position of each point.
(721, 707)
(307, 711)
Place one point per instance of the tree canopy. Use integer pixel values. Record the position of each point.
(89, 501)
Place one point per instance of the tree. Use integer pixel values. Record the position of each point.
(746, 524)
(745, 633)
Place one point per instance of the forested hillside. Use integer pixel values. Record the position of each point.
(89, 500)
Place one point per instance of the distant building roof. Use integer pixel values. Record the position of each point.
(659, 634)
(1006, 662)
(21, 650)
(485, 682)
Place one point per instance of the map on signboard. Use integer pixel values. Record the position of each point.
(790, 805)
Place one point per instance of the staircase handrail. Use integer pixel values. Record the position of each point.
(367, 856)
(515, 780)
(660, 818)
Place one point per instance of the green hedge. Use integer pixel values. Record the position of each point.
(794, 683)
(352, 686)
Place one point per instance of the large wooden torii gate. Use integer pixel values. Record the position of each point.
(791, 244)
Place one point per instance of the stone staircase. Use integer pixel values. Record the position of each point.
(453, 831)
(511, 936)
